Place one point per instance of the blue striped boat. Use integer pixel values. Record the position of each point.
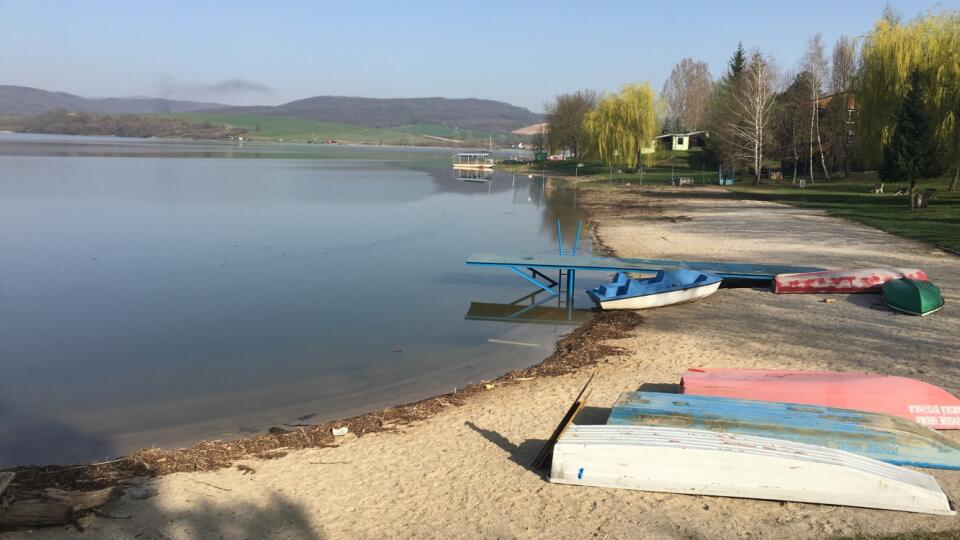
(879, 436)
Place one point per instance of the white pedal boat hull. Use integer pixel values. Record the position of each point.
(660, 299)
(700, 462)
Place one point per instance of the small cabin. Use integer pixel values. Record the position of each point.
(682, 141)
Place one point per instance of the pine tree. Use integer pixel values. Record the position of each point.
(912, 151)
(723, 143)
(738, 62)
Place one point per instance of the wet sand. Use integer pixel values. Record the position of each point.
(463, 472)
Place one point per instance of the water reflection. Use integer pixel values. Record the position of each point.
(157, 300)
(473, 175)
(537, 307)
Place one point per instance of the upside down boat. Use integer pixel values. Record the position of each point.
(882, 437)
(700, 462)
(908, 398)
(842, 281)
(912, 296)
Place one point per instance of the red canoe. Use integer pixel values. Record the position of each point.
(924, 403)
(843, 281)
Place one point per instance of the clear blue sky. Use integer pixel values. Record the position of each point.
(245, 52)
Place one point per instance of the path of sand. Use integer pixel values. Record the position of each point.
(463, 473)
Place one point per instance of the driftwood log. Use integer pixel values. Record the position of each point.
(50, 506)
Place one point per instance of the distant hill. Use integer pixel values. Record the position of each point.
(465, 114)
(26, 101)
(475, 114)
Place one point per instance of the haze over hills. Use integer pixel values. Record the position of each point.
(26, 101)
(472, 114)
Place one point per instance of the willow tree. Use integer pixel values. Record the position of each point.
(890, 53)
(622, 124)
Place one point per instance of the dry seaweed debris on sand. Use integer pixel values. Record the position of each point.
(25, 507)
(583, 347)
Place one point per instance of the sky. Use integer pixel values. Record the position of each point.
(270, 52)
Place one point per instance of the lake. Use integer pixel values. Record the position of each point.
(164, 292)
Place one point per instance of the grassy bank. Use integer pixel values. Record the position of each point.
(852, 198)
(668, 166)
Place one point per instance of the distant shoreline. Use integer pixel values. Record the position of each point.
(260, 141)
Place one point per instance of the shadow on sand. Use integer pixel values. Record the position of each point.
(522, 454)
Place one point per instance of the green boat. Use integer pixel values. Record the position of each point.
(912, 296)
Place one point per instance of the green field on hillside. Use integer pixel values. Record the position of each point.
(304, 130)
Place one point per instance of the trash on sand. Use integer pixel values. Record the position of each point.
(488, 386)
(340, 431)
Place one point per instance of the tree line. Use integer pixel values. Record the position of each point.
(886, 101)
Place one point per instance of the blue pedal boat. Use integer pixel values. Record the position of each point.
(879, 436)
(666, 288)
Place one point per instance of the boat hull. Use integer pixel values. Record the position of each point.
(877, 436)
(915, 400)
(913, 297)
(668, 298)
(697, 462)
(842, 281)
(473, 166)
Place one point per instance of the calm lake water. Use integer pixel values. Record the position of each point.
(158, 292)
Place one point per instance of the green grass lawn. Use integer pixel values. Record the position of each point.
(668, 166)
(938, 224)
(303, 130)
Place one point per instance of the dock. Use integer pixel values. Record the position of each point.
(532, 268)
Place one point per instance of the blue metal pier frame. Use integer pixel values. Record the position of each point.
(570, 264)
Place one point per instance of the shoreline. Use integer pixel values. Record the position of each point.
(265, 141)
(463, 469)
(580, 348)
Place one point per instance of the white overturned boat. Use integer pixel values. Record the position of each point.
(699, 462)
(668, 287)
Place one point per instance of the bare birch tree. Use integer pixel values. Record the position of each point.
(687, 93)
(815, 63)
(841, 81)
(752, 105)
(791, 119)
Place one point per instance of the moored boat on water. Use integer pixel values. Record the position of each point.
(877, 436)
(912, 296)
(842, 281)
(666, 288)
(699, 462)
(915, 400)
(473, 160)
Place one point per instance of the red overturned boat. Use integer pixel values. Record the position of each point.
(843, 281)
(916, 400)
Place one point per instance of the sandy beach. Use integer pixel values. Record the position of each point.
(464, 472)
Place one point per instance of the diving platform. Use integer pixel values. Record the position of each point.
(532, 268)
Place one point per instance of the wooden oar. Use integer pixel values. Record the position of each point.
(547, 449)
